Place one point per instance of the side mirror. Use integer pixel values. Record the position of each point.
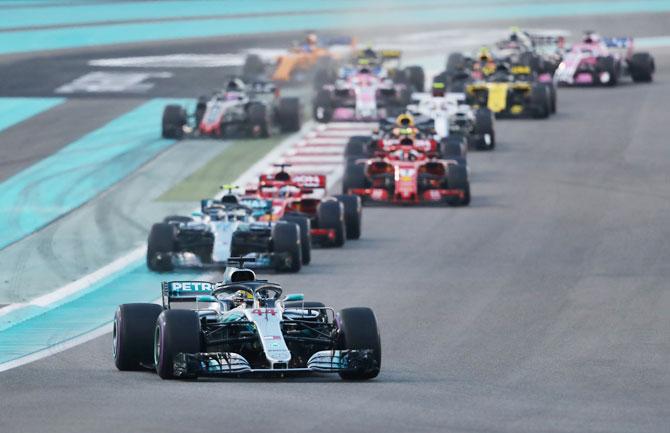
(294, 297)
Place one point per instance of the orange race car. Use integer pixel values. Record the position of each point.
(303, 57)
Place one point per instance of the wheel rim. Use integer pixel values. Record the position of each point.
(114, 338)
(157, 346)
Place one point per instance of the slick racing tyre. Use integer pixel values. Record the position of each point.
(457, 178)
(176, 331)
(286, 240)
(305, 235)
(323, 106)
(455, 61)
(610, 67)
(354, 177)
(453, 145)
(415, 77)
(133, 335)
(358, 331)
(253, 68)
(539, 100)
(358, 147)
(174, 119)
(484, 128)
(289, 114)
(161, 245)
(259, 126)
(330, 215)
(353, 214)
(642, 67)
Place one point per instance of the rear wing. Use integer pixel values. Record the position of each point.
(311, 181)
(618, 42)
(186, 291)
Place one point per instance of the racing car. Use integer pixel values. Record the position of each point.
(327, 220)
(419, 128)
(226, 228)
(452, 115)
(509, 93)
(239, 110)
(243, 326)
(403, 174)
(363, 96)
(603, 61)
(320, 56)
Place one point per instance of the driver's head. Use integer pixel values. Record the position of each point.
(242, 297)
(311, 38)
(405, 120)
(484, 54)
(235, 85)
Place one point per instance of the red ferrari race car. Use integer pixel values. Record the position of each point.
(331, 219)
(406, 175)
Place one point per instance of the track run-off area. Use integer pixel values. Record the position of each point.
(542, 307)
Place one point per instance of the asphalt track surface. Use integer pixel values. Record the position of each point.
(542, 307)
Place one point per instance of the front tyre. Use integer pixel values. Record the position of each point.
(176, 331)
(357, 329)
(286, 241)
(132, 335)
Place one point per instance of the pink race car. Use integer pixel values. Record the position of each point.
(603, 61)
(361, 96)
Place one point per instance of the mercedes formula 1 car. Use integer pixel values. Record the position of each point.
(243, 326)
(603, 61)
(404, 174)
(238, 110)
(226, 228)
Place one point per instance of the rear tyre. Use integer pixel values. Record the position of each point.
(253, 68)
(457, 178)
(483, 128)
(455, 61)
(323, 106)
(354, 177)
(330, 215)
(176, 331)
(286, 240)
(161, 245)
(289, 114)
(133, 335)
(642, 67)
(305, 235)
(416, 78)
(174, 119)
(358, 331)
(453, 145)
(539, 99)
(353, 214)
(258, 121)
(357, 147)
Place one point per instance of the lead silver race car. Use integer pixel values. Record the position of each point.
(241, 326)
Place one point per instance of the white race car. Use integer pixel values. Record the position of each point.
(452, 115)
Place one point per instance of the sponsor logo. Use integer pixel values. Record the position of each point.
(190, 286)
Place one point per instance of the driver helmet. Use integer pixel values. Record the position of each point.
(311, 39)
(591, 37)
(242, 297)
(405, 120)
(484, 54)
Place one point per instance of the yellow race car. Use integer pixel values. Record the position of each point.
(508, 93)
